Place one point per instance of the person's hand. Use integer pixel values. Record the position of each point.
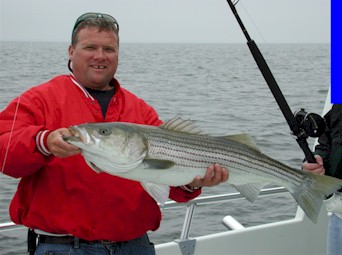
(215, 175)
(317, 168)
(58, 147)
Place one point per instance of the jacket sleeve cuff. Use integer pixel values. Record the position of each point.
(182, 196)
(188, 188)
(41, 141)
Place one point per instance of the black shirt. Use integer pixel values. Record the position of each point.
(103, 97)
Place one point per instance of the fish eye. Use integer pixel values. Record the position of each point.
(104, 131)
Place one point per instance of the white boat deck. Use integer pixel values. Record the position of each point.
(289, 237)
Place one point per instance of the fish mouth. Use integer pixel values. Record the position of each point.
(79, 135)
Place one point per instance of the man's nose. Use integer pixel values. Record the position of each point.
(100, 53)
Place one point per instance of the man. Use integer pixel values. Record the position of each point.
(70, 206)
(329, 161)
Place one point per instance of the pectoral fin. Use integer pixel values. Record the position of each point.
(157, 164)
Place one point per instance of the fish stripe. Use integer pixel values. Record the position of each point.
(179, 147)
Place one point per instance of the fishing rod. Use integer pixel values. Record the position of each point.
(302, 124)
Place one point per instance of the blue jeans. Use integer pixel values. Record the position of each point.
(335, 235)
(141, 246)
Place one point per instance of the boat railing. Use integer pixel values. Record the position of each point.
(230, 222)
(186, 244)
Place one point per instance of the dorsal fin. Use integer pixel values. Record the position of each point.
(244, 139)
(181, 125)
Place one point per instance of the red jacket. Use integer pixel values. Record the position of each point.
(64, 195)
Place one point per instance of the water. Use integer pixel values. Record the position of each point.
(218, 85)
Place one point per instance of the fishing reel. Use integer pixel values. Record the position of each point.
(312, 124)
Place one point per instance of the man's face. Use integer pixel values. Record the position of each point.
(95, 57)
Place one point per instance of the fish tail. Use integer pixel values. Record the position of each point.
(313, 191)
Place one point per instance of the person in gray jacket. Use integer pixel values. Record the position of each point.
(328, 154)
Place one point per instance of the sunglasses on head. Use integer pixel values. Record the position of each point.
(93, 15)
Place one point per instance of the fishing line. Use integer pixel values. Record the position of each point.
(10, 137)
(26, 65)
(16, 111)
(250, 18)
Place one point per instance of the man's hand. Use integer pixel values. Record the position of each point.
(58, 147)
(214, 176)
(316, 168)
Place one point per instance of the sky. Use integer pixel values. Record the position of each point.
(172, 21)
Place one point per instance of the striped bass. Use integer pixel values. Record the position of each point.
(174, 153)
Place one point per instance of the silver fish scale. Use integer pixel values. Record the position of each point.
(199, 151)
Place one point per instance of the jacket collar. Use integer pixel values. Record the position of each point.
(84, 90)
